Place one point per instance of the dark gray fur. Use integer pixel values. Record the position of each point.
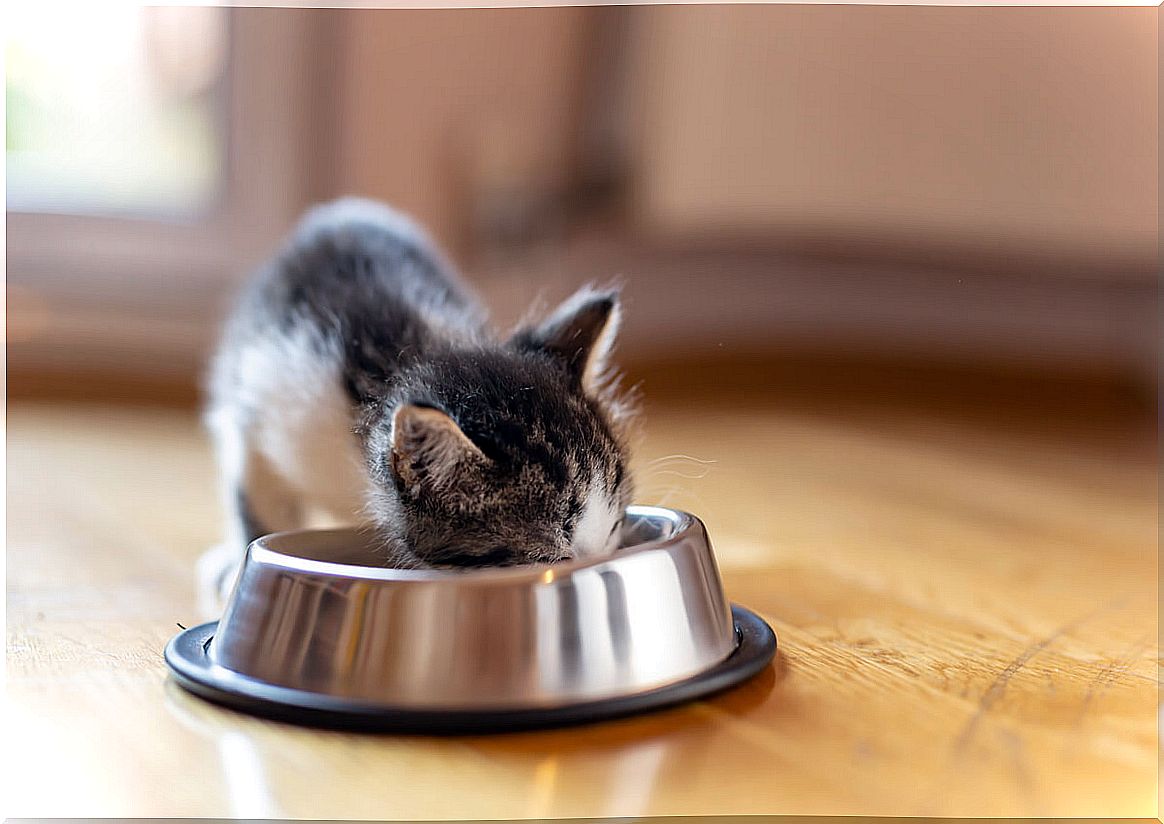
(544, 426)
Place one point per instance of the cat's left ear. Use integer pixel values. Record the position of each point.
(580, 332)
(429, 449)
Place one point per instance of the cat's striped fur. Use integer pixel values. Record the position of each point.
(357, 378)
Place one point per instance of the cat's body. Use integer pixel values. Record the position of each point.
(357, 379)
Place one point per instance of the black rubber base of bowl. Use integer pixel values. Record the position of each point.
(186, 655)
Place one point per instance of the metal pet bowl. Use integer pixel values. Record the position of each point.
(316, 632)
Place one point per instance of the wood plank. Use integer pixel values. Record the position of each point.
(967, 617)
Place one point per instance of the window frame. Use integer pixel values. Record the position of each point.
(121, 269)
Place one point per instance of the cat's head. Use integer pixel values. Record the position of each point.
(506, 454)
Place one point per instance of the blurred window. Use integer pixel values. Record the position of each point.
(119, 112)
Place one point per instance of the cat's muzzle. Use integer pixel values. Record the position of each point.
(316, 631)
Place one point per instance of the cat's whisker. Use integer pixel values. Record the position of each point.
(677, 458)
(657, 464)
(698, 474)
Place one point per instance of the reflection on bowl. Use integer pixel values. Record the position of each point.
(314, 623)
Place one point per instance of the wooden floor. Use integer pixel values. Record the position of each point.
(967, 615)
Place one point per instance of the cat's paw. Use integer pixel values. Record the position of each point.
(215, 573)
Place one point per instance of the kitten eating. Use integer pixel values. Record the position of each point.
(357, 378)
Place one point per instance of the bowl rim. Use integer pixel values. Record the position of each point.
(260, 551)
(189, 661)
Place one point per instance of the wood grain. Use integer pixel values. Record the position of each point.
(967, 616)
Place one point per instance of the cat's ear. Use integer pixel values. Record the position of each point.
(428, 448)
(580, 332)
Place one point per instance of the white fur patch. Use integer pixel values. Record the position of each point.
(304, 429)
(594, 534)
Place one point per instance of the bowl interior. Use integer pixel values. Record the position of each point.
(643, 525)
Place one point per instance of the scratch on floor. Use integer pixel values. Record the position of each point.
(1115, 669)
(1020, 763)
(998, 686)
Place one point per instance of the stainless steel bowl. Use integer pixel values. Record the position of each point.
(316, 630)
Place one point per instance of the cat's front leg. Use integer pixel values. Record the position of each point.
(215, 572)
(258, 501)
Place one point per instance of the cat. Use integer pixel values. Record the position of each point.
(357, 377)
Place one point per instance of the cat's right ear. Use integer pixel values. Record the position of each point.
(428, 448)
(580, 333)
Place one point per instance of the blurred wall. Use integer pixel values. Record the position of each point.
(986, 176)
(1030, 129)
(972, 185)
(973, 129)
(439, 106)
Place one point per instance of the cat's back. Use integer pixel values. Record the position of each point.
(357, 285)
(322, 327)
(353, 258)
